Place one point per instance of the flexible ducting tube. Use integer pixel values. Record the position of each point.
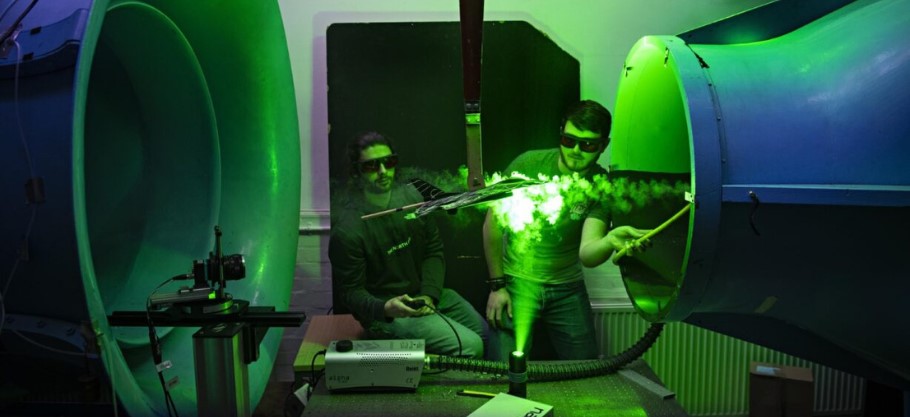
(539, 372)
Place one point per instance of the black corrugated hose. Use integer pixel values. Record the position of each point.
(538, 372)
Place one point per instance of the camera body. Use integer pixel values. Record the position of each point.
(206, 272)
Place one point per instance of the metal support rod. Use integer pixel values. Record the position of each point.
(471, 12)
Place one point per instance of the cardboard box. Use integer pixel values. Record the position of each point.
(780, 391)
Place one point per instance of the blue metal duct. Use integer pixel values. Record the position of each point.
(796, 151)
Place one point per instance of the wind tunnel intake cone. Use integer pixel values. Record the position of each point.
(148, 123)
(795, 151)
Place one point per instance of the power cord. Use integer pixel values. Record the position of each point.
(7, 9)
(457, 337)
(314, 377)
(303, 392)
(23, 252)
(12, 29)
(46, 347)
(155, 344)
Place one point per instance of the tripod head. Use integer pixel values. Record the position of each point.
(209, 277)
(218, 268)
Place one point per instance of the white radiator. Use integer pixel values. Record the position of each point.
(709, 371)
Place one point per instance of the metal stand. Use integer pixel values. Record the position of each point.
(227, 342)
(222, 381)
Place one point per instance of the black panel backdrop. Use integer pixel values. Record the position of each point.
(404, 80)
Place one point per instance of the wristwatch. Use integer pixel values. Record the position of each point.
(498, 283)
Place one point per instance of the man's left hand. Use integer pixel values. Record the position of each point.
(625, 237)
(426, 310)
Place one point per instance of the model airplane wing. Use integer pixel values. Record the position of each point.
(427, 190)
(452, 202)
(436, 199)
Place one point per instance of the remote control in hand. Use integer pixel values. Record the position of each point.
(416, 304)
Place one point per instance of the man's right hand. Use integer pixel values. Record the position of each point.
(396, 308)
(499, 303)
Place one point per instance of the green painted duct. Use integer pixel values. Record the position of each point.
(149, 122)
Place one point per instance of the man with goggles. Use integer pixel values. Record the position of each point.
(389, 271)
(543, 283)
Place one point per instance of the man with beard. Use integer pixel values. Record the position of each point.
(543, 282)
(383, 264)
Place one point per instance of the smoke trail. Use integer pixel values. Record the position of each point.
(531, 209)
(624, 195)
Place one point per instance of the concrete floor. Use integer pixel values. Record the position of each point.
(273, 399)
(311, 294)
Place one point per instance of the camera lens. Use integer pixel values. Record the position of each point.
(234, 267)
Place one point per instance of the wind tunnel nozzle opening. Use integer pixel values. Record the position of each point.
(147, 133)
(650, 145)
(791, 145)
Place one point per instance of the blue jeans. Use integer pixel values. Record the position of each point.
(564, 310)
(439, 336)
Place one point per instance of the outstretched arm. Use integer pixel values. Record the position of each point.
(597, 245)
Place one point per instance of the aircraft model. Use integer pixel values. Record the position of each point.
(437, 199)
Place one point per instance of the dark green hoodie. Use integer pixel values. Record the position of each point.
(376, 259)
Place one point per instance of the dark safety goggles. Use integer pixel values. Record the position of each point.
(372, 165)
(590, 146)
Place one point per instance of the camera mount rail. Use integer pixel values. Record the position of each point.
(229, 336)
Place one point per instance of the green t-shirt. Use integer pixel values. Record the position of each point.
(554, 257)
